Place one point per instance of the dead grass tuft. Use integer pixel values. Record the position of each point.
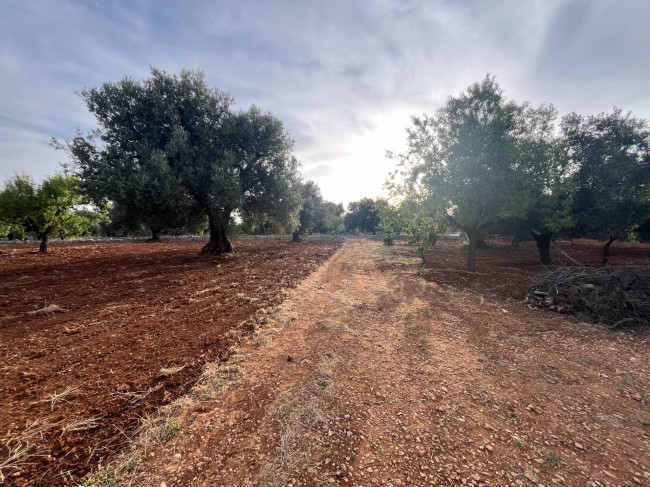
(62, 396)
(18, 450)
(49, 309)
(169, 371)
(81, 425)
(133, 397)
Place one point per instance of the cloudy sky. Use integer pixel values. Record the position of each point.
(344, 75)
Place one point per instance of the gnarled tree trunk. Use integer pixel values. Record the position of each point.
(544, 247)
(155, 235)
(296, 237)
(219, 241)
(606, 248)
(45, 239)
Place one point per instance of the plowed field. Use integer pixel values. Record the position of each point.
(95, 336)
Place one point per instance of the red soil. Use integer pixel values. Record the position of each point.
(105, 318)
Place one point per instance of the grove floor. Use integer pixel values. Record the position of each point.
(96, 336)
(377, 370)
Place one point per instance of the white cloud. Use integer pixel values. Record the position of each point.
(344, 76)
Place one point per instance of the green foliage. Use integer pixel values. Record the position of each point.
(316, 214)
(45, 209)
(266, 172)
(362, 216)
(481, 160)
(411, 217)
(168, 148)
(546, 205)
(610, 156)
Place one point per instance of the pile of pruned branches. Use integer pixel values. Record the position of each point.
(611, 296)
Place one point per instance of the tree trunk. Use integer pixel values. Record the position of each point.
(606, 249)
(219, 242)
(544, 247)
(224, 234)
(155, 235)
(472, 235)
(296, 237)
(45, 238)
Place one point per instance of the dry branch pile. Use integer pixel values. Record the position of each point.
(612, 296)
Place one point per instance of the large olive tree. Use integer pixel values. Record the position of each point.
(610, 155)
(170, 145)
(465, 160)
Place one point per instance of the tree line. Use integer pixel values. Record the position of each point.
(170, 154)
(485, 164)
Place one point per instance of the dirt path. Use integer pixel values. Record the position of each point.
(369, 375)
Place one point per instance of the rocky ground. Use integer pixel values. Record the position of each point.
(375, 372)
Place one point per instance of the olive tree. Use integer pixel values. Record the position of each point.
(464, 160)
(45, 209)
(170, 145)
(610, 155)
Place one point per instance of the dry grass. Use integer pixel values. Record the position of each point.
(219, 378)
(62, 396)
(81, 425)
(125, 469)
(133, 397)
(169, 371)
(21, 448)
(50, 308)
(300, 415)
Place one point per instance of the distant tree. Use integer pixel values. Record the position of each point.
(410, 217)
(99, 220)
(316, 214)
(333, 223)
(169, 146)
(610, 154)
(362, 216)
(45, 209)
(312, 210)
(464, 160)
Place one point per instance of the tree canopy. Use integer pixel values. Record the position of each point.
(490, 164)
(362, 216)
(316, 214)
(45, 209)
(610, 155)
(464, 159)
(170, 145)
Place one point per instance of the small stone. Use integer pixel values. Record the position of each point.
(579, 446)
(636, 396)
